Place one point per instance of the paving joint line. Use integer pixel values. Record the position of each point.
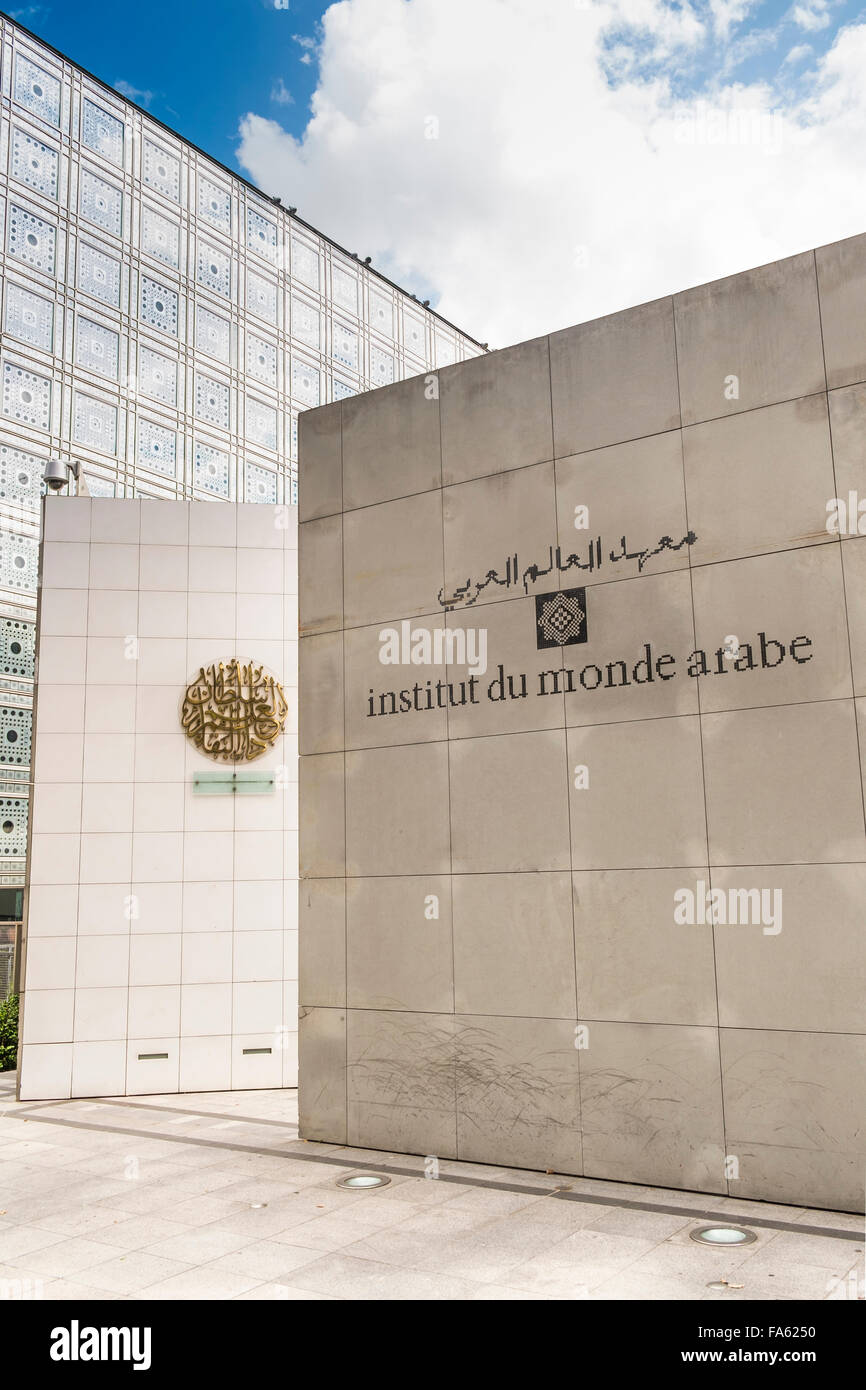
(562, 1194)
(177, 1110)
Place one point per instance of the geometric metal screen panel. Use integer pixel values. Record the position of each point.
(19, 558)
(29, 318)
(32, 240)
(17, 648)
(13, 827)
(20, 478)
(102, 132)
(15, 727)
(36, 90)
(26, 397)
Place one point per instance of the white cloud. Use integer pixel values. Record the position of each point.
(811, 14)
(798, 54)
(308, 45)
(281, 94)
(727, 13)
(547, 196)
(137, 94)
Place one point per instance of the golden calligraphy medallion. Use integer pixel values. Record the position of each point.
(234, 711)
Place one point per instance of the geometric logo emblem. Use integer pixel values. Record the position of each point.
(234, 711)
(560, 618)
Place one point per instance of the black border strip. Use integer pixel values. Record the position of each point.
(562, 1194)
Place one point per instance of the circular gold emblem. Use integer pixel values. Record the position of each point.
(234, 711)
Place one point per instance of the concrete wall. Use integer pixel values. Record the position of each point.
(159, 920)
(558, 1012)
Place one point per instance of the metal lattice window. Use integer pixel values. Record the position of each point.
(261, 423)
(13, 837)
(100, 203)
(31, 240)
(413, 334)
(305, 322)
(214, 203)
(161, 171)
(20, 480)
(212, 401)
(260, 484)
(445, 351)
(94, 423)
(157, 377)
(261, 360)
(99, 275)
(26, 397)
(34, 163)
(305, 383)
(262, 298)
(102, 132)
(344, 289)
(17, 648)
(19, 561)
(100, 487)
(212, 470)
(345, 346)
(15, 736)
(159, 306)
(382, 315)
(261, 235)
(212, 334)
(97, 348)
(37, 90)
(214, 270)
(381, 367)
(157, 448)
(29, 318)
(160, 238)
(305, 263)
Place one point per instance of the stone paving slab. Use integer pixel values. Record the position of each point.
(214, 1196)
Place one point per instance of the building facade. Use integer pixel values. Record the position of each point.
(582, 711)
(163, 323)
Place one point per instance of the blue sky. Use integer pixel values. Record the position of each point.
(525, 164)
(198, 65)
(754, 46)
(201, 65)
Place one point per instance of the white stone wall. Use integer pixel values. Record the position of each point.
(158, 920)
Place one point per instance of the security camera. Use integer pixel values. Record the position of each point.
(58, 473)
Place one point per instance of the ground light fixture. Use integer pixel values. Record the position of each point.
(363, 1181)
(725, 1236)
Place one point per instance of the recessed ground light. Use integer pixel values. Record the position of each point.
(364, 1180)
(722, 1235)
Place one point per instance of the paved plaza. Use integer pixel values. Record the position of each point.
(213, 1196)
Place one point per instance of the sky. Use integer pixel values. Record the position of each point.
(525, 164)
